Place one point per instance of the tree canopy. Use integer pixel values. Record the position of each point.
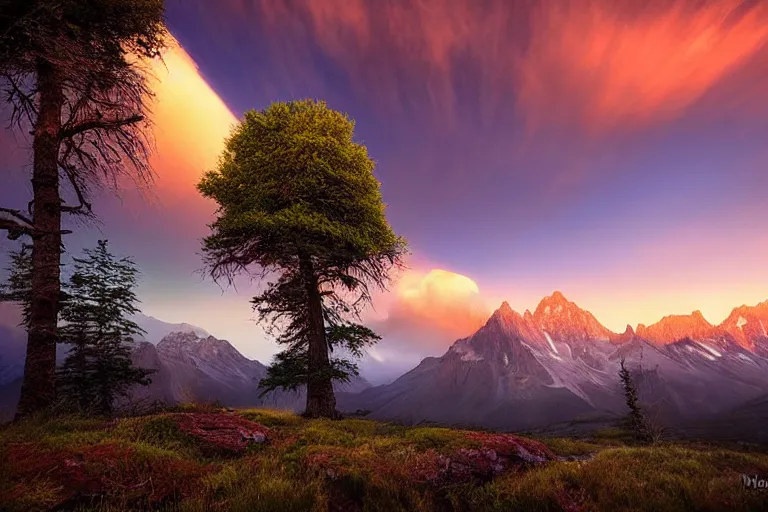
(298, 201)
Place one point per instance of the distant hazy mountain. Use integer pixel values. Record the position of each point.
(194, 368)
(559, 363)
(156, 329)
(13, 338)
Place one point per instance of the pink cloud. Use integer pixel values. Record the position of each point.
(597, 64)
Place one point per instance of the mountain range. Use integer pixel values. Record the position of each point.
(524, 371)
(559, 364)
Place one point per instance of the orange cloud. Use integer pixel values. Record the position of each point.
(602, 67)
(431, 310)
(191, 121)
(593, 63)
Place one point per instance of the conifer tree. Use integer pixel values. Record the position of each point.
(100, 297)
(73, 77)
(637, 419)
(18, 287)
(298, 199)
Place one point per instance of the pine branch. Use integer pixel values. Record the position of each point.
(97, 124)
(16, 223)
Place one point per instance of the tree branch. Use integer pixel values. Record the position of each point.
(71, 172)
(97, 124)
(17, 216)
(15, 223)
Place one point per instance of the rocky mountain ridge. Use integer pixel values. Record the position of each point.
(559, 363)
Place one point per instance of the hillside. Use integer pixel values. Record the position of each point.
(263, 460)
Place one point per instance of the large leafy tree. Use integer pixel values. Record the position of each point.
(298, 201)
(72, 73)
(96, 324)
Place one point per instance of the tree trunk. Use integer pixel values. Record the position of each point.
(321, 402)
(37, 389)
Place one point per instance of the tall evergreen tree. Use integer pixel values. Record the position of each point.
(70, 72)
(298, 199)
(100, 297)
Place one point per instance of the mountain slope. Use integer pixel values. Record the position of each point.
(190, 368)
(531, 370)
(156, 329)
(499, 377)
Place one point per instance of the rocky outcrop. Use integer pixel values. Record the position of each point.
(748, 326)
(563, 319)
(496, 454)
(219, 433)
(673, 328)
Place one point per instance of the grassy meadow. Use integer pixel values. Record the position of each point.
(149, 463)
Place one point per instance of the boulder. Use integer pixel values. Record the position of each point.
(497, 454)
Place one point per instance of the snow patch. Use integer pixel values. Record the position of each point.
(506, 360)
(467, 354)
(709, 349)
(746, 358)
(700, 352)
(551, 343)
(741, 322)
(470, 355)
(558, 309)
(546, 310)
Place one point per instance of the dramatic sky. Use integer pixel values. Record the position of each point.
(614, 150)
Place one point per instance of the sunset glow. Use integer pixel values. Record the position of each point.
(611, 150)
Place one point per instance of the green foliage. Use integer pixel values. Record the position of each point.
(100, 297)
(18, 288)
(319, 465)
(272, 417)
(291, 180)
(270, 487)
(73, 71)
(298, 199)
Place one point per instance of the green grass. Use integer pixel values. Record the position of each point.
(352, 464)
